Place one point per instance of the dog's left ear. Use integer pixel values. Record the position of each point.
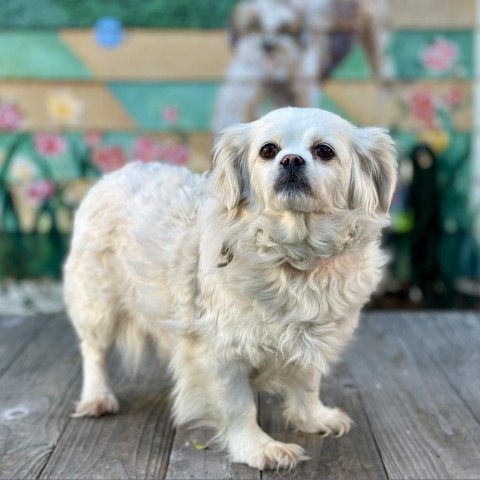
(374, 170)
(229, 180)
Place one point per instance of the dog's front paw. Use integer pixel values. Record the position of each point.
(327, 421)
(274, 456)
(96, 407)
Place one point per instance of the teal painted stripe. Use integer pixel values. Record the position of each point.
(146, 102)
(408, 49)
(194, 102)
(38, 55)
(42, 55)
(354, 66)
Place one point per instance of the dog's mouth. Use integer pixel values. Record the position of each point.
(292, 184)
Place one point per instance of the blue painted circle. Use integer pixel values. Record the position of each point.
(108, 32)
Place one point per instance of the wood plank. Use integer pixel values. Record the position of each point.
(36, 397)
(453, 344)
(166, 55)
(415, 376)
(188, 462)
(87, 105)
(352, 456)
(421, 426)
(362, 102)
(186, 54)
(134, 443)
(15, 334)
(367, 104)
(432, 14)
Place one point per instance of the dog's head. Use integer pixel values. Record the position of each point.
(270, 33)
(304, 160)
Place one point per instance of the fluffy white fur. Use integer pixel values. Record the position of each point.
(241, 285)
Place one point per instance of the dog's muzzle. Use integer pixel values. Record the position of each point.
(292, 178)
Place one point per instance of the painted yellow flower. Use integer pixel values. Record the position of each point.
(64, 107)
(438, 140)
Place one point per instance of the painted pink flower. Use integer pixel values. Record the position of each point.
(175, 154)
(146, 150)
(422, 106)
(171, 114)
(40, 190)
(50, 144)
(455, 96)
(440, 56)
(93, 138)
(11, 117)
(109, 158)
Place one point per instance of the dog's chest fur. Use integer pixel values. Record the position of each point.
(268, 311)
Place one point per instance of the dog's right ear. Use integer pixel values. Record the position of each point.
(229, 180)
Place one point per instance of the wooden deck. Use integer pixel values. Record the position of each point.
(411, 382)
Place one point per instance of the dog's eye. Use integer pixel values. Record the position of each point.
(254, 26)
(269, 151)
(324, 152)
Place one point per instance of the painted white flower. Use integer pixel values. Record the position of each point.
(23, 169)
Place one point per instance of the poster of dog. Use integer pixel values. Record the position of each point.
(284, 49)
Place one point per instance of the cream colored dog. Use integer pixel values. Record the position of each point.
(250, 277)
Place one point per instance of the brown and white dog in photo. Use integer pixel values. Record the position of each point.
(248, 278)
(284, 49)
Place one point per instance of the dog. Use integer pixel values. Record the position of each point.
(250, 277)
(284, 49)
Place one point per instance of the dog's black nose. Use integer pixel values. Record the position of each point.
(268, 46)
(292, 162)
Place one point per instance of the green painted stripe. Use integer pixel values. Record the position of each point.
(354, 66)
(38, 55)
(194, 101)
(145, 102)
(42, 55)
(408, 47)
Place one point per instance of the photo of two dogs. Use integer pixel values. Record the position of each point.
(250, 277)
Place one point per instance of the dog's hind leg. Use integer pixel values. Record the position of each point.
(95, 330)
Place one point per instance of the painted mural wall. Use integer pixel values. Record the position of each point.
(86, 87)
